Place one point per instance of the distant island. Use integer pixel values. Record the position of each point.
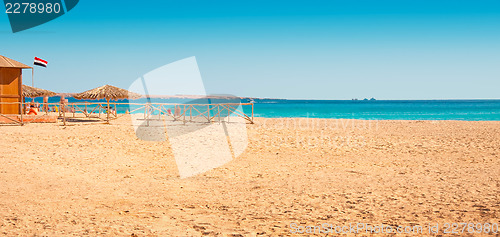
(365, 99)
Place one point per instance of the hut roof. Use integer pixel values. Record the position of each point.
(11, 63)
(29, 91)
(107, 92)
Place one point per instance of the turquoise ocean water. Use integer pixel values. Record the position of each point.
(471, 110)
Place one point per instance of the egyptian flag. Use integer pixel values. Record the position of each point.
(40, 62)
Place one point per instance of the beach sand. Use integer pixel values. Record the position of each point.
(98, 179)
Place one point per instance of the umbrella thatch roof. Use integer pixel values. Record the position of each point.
(29, 91)
(106, 92)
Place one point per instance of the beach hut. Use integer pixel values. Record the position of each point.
(106, 92)
(11, 79)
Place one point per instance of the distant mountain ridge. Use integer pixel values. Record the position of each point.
(186, 96)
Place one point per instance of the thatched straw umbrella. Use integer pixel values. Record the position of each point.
(106, 92)
(32, 92)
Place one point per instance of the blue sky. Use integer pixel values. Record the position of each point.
(279, 49)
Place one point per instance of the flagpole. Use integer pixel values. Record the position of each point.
(33, 76)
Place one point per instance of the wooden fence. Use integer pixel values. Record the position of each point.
(96, 110)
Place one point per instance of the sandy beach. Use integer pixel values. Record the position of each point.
(98, 179)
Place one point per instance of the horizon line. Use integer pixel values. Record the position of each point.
(180, 96)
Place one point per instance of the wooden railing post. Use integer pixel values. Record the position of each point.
(22, 112)
(252, 112)
(208, 113)
(147, 116)
(218, 111)
(63, 108)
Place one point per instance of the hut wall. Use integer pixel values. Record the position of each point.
(10, 89)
